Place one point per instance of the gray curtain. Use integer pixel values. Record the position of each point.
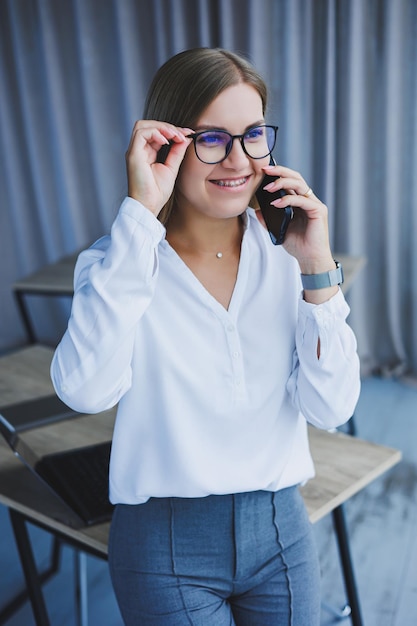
(343, 89)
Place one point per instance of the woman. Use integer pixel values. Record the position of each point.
(192, 320)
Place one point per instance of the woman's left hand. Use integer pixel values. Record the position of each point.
(307, 238)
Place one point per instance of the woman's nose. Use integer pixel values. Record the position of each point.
(237, 156)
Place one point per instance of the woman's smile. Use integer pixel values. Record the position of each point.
(231, 183)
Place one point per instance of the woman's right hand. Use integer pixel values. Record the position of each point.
(149, 182)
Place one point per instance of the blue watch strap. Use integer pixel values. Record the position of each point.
(326, 279)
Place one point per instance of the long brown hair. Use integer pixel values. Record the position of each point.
(187, 83)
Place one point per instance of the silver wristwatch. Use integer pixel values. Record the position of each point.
(326, 279)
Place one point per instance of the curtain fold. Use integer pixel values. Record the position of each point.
(343, 90)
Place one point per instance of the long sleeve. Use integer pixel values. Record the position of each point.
(325, 389)
(114, 283)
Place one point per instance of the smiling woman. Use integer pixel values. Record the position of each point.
(190, 319)
(193, 82)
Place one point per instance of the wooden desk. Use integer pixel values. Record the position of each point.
(344, 466)
(56, 279)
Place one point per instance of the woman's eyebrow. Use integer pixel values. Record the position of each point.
(213, 127)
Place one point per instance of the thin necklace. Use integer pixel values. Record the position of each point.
(219, 254)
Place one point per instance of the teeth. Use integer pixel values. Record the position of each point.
(230, 183)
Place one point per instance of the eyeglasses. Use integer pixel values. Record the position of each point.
(214, 146)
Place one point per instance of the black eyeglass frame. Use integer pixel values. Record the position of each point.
(229, 144)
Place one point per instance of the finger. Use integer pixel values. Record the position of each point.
(156, 134)
(168, 130)
(176, 153)
(142, 139)
(282, 171)
(308, 204)
(297, 185)
(171, 132)
(286, 179)
(292, 186)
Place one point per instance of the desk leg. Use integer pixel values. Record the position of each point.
(29, 568)
(346, 560)
(21, 598)
(81, 587)
(24, 314)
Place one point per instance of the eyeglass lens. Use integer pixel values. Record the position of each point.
(213, 146)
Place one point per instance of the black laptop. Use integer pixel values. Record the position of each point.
(79, 476)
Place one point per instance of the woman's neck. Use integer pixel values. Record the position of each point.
(201, 236)
(211, 250)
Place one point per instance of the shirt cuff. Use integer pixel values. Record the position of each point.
(335, 307)
(138, 212)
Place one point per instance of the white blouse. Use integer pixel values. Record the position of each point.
(211, 401)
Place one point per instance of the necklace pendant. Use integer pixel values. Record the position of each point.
(219, 255)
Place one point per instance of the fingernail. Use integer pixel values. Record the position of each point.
(269, 186)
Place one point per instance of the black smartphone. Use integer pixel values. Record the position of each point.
(277, 220)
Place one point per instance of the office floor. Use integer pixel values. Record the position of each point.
(382, 523)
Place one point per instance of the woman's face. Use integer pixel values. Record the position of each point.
(223, 190)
